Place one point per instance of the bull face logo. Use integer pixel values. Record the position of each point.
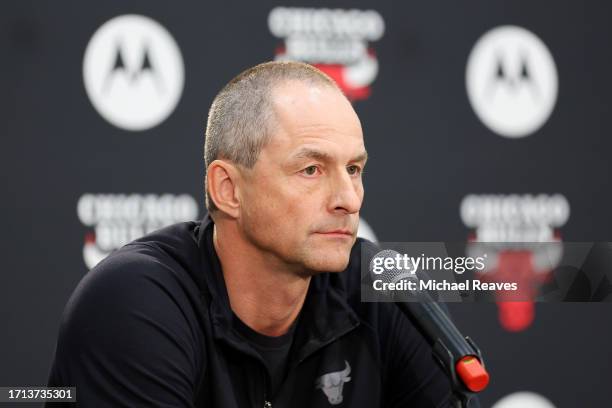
(333, 383)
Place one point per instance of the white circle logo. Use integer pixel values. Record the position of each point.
(133, 72)
(511, 81)
(523, 399)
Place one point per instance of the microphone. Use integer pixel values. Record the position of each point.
(458, 355)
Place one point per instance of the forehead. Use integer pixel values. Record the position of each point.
(314, 114)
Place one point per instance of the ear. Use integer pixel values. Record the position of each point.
(222, 178)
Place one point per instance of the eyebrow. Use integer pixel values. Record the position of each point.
(309, 153)
(363, 157)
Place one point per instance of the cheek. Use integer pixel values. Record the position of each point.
(294, 213)
(304, 208)
(275, 213)
(359, 190)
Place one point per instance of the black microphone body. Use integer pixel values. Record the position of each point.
(449, 346)
(436, 326)
(457, 355)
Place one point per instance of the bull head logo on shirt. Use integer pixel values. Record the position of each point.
(332, 384)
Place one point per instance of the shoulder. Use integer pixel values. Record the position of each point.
(131, 320)
(141, 281)
(158, 264)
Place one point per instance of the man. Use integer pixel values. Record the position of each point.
(257, 305)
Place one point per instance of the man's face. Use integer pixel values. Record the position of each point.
(300, 202)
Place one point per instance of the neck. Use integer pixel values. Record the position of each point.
(263, 292)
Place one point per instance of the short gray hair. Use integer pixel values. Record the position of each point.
(240, 119)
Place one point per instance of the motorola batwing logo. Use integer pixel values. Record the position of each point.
(511, 81)
(133, 72)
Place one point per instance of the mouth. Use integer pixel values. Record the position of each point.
(339, 233)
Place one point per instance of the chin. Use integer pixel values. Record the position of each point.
(329, 262)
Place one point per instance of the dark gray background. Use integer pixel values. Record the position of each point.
(427, 151)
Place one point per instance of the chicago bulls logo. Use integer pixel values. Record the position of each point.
(333, 383)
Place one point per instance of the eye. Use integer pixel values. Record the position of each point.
(310, 170)
(353, 170)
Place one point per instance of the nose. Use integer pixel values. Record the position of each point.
(346, 194)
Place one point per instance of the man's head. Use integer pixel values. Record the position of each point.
(284, 153)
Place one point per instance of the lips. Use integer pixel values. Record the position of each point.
(338, 232)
